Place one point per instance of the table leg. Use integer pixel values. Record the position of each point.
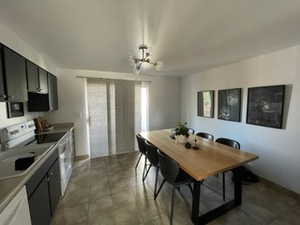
(237, 186)
(221, 210)
(196, 201)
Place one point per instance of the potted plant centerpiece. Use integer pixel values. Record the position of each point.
(181, 133)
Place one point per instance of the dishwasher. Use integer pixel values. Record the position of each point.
(65, 162)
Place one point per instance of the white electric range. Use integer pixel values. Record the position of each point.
(20, 141)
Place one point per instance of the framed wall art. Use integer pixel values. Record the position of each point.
(229, 104)
(266, 105)
(206, 104)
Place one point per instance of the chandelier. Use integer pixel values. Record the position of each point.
(144, 58)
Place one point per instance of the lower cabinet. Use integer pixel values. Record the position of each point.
(39, 206)
(17, 211)
(54, 186)
(44, 191)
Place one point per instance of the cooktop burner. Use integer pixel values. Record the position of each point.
(48, 138)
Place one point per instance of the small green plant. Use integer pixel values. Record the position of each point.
(182, 129)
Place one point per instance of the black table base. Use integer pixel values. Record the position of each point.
(221, 210)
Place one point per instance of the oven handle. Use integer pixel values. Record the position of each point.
(63, 146)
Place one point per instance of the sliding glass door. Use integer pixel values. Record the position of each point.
(118, 109)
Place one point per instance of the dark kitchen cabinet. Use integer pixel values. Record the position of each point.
(44, 191)
(53, 96)
(45, 102)
(39, 206)
(37, 79)
(32, 77)
(54, 185)
(2, 87)
(43, 81)
(14, 76)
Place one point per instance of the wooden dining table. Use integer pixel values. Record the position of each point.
(210, 159)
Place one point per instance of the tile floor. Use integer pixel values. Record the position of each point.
(108, 191)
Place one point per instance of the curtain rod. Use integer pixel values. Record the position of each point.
(103, 78)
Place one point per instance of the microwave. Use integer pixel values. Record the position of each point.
(15, 109)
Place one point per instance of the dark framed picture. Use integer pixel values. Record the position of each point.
(229, 104)
(206, 104)
(266, 105)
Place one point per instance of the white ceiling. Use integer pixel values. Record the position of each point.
(188, 36)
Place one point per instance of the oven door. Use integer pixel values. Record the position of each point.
(65, 161)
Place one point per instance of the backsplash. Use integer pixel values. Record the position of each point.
(5, 122)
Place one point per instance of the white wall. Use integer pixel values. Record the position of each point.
(164, 94)
(11, 39)
(278, 149)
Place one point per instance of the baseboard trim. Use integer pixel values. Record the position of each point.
(81, 157)
(289, 192)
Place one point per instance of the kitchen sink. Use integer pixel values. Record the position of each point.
(8, 158)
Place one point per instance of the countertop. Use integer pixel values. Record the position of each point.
(11, 186)
(59, 127)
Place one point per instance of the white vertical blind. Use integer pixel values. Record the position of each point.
(118, 109)
(97, 106)
(125, 109)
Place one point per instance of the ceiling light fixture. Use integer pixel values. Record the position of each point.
(144, 54)
(144, 58)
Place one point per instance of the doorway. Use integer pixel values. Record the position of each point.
(117, 109)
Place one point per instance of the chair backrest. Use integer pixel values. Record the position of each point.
(229, 142)
(141, 143)
(191, 131)
(205, 135)
(169, 168)
(152, 154)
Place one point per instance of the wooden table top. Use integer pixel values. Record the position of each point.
(211, 158)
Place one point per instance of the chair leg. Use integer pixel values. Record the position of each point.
(156, 178)
(172, 205)
(224, 184)
(159, 189)
(138, 160)
(145, 166)
(191, 188)
(144, 178)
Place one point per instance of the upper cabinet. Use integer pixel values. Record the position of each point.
(37, 81)
(14, 72)
(2, 88)
(53, 97)
(23, 81)
(43, 81)
(45, 102)
(33, 77)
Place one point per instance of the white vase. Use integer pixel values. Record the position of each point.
(181, 139)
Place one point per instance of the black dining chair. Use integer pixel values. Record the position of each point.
(175, 176)
(153, 158)
(234, 144)
(191, 131)
(205, 135)
(142, 148)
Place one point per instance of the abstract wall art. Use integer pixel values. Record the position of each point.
(229, 104)
(266, 105)
(206, 104)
